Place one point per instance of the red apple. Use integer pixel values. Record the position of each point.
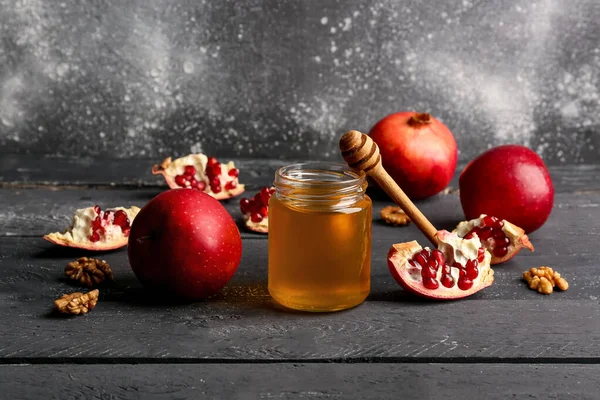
(417, 150)
(184, 243)
(509, 182)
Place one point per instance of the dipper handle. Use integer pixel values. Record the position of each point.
(362, 154)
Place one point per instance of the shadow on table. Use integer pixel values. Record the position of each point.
(130, 291)
(447, 224)
(402, 296)
(55, 251)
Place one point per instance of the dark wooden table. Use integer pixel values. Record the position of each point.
(504, 342)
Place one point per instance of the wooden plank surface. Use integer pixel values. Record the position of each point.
(27, 169)
(32, 169)
(505, 321)
(301, 381)
(35, 212)
(484, 345)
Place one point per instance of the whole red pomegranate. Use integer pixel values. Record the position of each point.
(510, 182)
(184, 243)
(417, 150)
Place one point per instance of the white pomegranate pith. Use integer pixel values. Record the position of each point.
(501, 238)
(206, 174)
(94, 228)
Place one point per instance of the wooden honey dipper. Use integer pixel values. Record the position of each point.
(362, 154)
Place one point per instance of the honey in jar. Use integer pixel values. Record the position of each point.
(319, 237)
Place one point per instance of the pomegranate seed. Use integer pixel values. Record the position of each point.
(180, 180)
(189, 170)
(264, 211)
(420, 258)
(201, 186)
(499, 234)
(215, 184)
(472, 273)
(94, 237)
(465, 283)
(470, 235)
(108, 216)
(438, 256)
(447, 280)
(432, 263)
(244, 205)
(233, 172)
(255, 217)
(211, 161)
(500, 251)
(486, 233)
(121, 219)
(230, 185)
(97, 209)
(215, 169)
(446, 269)
(481, 254)
(254, 205)
(193, 183)
(499, 223)
(489, 221)
(471, 269)
(506, 242)
(257, 199)
(272, 191)
(265, 196)
(430, 283)
(428, 272)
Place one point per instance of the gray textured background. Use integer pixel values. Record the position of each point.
(279, 79)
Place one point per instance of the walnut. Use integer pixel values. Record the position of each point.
(89, 271)
(545, 287)
(562, 284)
(394, 216)
(534, 283)
(544, 279)
(77, 303)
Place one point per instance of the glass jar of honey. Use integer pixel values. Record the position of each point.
(319, 237)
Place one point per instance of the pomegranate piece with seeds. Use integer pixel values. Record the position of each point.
(95, 229)
(206, 174)
(501, 238)
(256, 210)
(457, 268)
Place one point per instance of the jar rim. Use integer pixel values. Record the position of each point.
(319, 174)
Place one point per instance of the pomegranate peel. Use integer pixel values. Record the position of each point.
(203, 173)
(510, 182)
(501, 238)
(417, 150)
(255, 210)
(94, 229)
(457, 269)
